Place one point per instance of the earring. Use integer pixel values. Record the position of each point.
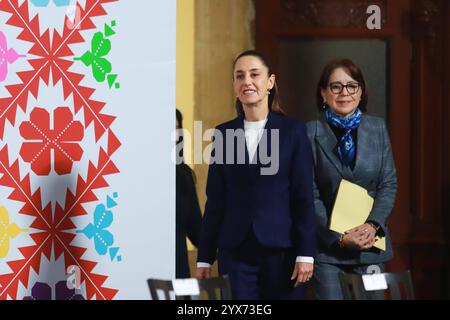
(268, 91)
(324, 105)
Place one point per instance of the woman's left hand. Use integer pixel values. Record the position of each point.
(302, 272)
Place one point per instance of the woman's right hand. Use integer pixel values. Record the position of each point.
(203, 273)
(352, 240)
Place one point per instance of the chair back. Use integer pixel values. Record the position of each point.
(162, 285)
(399, 286)
(214, 288)
(212, 285)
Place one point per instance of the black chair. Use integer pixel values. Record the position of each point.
(399, 287)
(210, 287)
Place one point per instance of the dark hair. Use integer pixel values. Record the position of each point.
(184, 174)
(353, 70)
(274, 99)
(180, 126)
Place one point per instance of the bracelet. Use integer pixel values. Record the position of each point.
(373, 225)
(341, 241)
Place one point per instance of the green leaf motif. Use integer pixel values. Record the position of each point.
(86, 58)
(100, 67)
(111, 79)
(100, 47)
(109, 31)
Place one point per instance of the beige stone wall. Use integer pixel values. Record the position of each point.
(223, 28)
(185, 62)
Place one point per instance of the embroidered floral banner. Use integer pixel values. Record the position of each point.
(60, 97)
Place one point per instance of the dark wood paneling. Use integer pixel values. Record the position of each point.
(427, 110)
(428, 278)
(327, 13)
(399, 116)
(446, 144)
(429, 243)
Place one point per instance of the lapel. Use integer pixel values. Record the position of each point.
(239, 125)
(272, 123)
(328, 143)
(254, 168)
(363, 139)
(240, 171)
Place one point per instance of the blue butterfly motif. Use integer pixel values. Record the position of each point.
(44, 3)
(102, 238)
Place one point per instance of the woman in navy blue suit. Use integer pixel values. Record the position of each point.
(259, 219)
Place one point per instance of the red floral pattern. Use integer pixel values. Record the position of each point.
(42, 140)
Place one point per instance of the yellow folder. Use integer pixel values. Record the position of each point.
(352, 208)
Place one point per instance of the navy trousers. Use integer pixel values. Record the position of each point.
(259, 273)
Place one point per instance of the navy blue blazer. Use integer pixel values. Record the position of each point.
(279, 207)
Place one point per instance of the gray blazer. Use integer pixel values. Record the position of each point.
(374, 170)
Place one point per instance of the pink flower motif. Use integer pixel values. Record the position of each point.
(6, 56)
(62, 139)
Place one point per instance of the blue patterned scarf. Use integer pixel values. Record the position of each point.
(346, 147)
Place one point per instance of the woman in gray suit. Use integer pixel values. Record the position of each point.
(348, 144)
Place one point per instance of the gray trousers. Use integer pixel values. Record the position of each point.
(325, 282)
